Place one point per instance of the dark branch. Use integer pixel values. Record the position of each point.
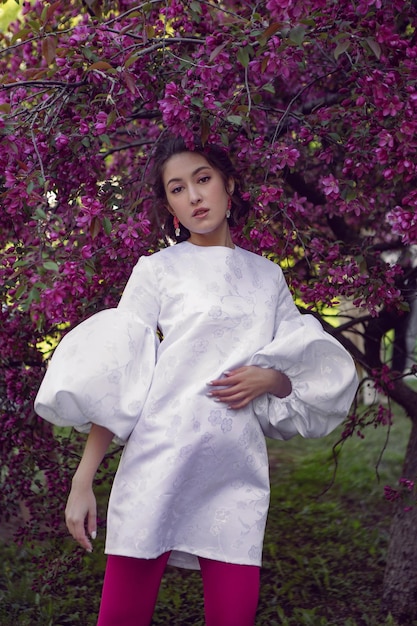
(43, 83)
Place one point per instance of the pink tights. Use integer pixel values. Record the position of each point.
(131, 588)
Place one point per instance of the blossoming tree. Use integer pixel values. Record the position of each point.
(317, 103)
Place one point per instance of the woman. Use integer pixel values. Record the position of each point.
(237, 362)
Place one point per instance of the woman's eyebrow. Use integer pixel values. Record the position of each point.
(178, 180)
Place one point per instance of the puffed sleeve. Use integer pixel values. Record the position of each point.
(102, 369)
(321, 371)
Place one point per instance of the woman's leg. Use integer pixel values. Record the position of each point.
(130, 590)
(231, 593)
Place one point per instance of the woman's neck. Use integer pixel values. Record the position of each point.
(223, 238)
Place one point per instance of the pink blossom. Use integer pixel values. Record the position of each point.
(174, 111)
(404, 222)
(10, 178)
(79, 34)
(61, 140)
(268, 195)
(129, 231)
(90, 208)
(84, 128)
(100, 124)
(392, 495)
(385, 139)
(330, 186)
(209, 102)
(392, 106)
(263, 237)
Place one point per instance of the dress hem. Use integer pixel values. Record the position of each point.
(182, 558)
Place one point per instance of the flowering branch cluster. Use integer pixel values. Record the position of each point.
(406, 494)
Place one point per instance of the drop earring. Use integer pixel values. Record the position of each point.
(229, 206)
(177, 226)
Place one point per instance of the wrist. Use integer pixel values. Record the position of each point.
(82, 482)
(280, 384)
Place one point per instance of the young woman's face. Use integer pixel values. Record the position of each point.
(196, 193)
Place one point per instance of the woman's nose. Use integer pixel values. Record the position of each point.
(195, 195)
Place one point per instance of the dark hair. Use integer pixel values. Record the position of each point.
(217, 157)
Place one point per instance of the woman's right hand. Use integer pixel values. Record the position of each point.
(81, 515)
(81, 510)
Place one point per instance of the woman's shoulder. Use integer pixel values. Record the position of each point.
(168, 256)
(154, 258)
(260, 262)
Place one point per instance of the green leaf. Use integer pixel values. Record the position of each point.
(216, 51)
(107, 226)
(33, 295)
(243, 57)
(195, 6)
(235, 119)
(225, 138)
(197, 102)
(130, 60)
(297, 34)
(88, 53)
(349, 194)
(21, 34)
(404, 306)
(35, 26)
(43, 14)
(20, 291)
(40, 214)
(105, 139)
(89, 268)
(341, 47)
(51, 265)
(374, 46)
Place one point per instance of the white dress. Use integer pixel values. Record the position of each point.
(193, 476)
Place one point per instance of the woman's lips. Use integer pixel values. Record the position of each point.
(200, 212)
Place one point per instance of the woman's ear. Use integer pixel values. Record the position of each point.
(230, 187)
(169, 209)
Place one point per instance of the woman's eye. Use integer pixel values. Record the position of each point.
(176, 190)
(204, 179)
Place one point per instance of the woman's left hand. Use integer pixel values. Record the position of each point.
(240, 386)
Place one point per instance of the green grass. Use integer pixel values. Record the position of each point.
(324, 548)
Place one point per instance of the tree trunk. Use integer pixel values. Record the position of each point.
(400, 581)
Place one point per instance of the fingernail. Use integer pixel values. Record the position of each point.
(227, 372)
(93, 534)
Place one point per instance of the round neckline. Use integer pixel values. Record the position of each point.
(195, 245)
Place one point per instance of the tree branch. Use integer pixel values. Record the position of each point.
(43, 83)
